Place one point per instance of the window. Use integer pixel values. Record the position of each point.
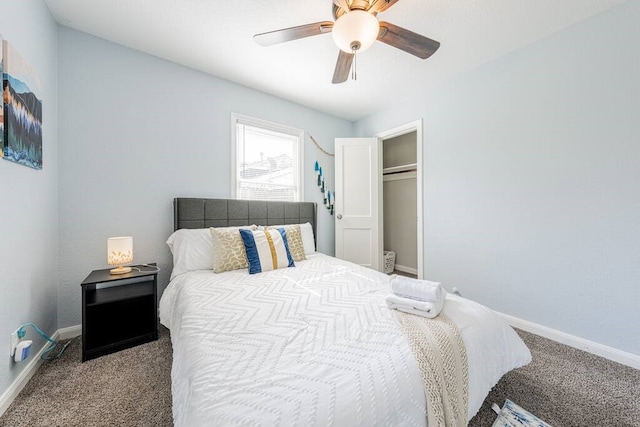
(266, 160)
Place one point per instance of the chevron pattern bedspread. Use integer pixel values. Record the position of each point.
(313, 345)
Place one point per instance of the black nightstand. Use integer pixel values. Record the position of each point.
(118, 311)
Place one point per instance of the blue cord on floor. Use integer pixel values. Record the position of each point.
(53, 343)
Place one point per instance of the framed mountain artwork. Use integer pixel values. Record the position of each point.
(1, 103)
(22, 99)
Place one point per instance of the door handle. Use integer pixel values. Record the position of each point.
(339, 216)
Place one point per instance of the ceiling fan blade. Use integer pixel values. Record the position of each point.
(381, 5)
(293, 33)
(406, 40)
(341, 73)
(343, 4)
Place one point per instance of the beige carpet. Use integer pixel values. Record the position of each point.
(563, 386)
(128, 388)
(567, 387)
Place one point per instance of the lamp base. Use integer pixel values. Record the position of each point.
(120, 270)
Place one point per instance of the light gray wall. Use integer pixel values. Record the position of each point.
(137, 131)
(399, 151)
(29, 204)
(400, 221)
(532, 180)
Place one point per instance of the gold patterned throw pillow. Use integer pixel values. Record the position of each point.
(228, 248)
(294, 240)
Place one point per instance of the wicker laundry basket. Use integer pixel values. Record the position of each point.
(389, 261)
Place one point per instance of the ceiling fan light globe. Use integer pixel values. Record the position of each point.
(355, 27)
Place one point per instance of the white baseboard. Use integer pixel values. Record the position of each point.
(619, 356)
(69, 332)
(32, 366)
(406, 269)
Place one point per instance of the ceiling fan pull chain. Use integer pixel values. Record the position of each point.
(354, 72)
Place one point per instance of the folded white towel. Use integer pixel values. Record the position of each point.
(420, 308)
(421, 290)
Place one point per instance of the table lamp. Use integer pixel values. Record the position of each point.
(120, 252)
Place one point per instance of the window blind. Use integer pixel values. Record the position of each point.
(267, 164)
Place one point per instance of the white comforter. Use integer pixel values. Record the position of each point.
(311, 345)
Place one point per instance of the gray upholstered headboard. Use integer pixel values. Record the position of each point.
(204, 213)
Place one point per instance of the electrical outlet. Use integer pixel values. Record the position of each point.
(14, 342)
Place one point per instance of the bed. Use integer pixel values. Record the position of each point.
(311, 345)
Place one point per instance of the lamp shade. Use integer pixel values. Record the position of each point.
(355, 30)
(120, 252)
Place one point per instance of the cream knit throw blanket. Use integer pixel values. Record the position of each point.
(442, 359)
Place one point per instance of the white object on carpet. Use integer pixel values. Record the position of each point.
(512, 415)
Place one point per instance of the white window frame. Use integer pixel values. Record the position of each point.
(275, 127)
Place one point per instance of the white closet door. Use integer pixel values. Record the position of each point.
(357, 206)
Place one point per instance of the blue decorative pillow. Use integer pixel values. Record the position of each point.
(266, 249)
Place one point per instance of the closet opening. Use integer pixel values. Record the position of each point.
(401, 196)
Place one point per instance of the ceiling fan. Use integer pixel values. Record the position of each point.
(355, 29)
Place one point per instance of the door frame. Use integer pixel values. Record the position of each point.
(414, 126)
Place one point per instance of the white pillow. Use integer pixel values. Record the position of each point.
(192, 249)
(307, 236)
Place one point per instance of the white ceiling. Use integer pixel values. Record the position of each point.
(215, 37)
